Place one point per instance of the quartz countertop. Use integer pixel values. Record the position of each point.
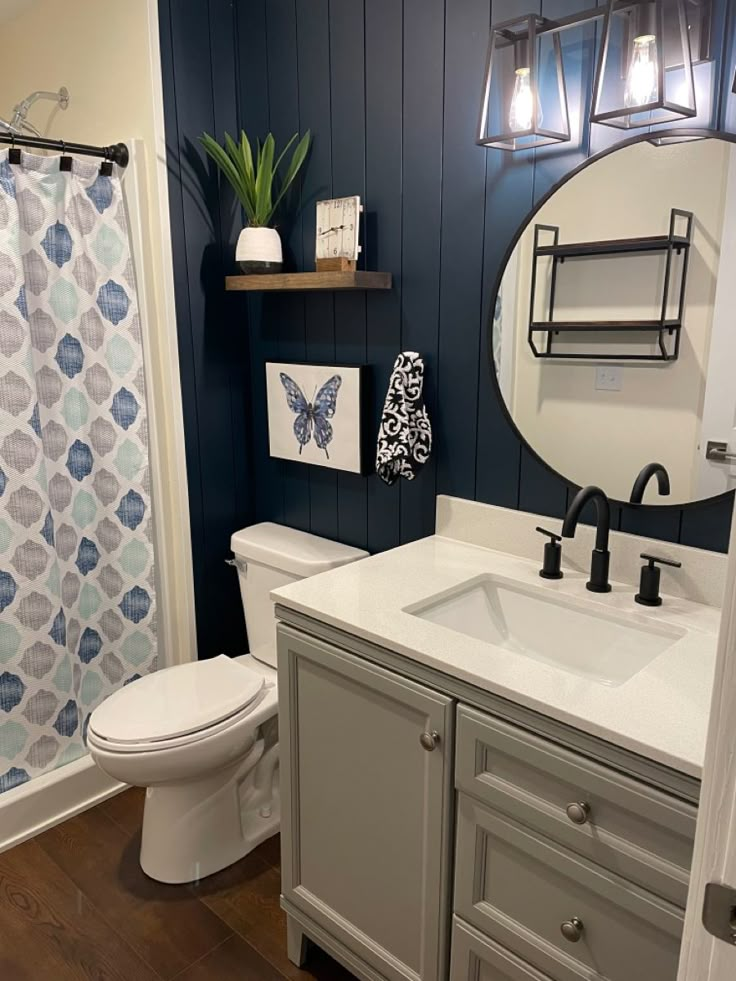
(661, 713)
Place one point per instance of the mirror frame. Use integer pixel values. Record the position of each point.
(631, 141)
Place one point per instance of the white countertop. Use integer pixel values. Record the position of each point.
(661, 712)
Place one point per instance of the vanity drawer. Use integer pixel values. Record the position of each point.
(636, 831)
(475, 958)
(520, 889)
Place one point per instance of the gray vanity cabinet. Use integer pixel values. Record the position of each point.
(366, 759)
(426, 839)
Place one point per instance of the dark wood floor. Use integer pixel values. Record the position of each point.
(75, 906)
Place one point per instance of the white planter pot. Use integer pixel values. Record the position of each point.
(259, 251)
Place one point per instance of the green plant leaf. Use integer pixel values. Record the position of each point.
(254, 183)
(213, 149)
(298, 158)
(247, 155)
(264, 181)
(283, 153)
(246, 179)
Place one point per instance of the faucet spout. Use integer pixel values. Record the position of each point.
(601, 557)
(640, 484)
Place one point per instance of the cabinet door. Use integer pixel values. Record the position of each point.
(366, 808)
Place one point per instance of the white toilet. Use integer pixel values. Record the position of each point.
(203, 737)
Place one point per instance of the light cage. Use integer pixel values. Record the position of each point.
(524, 99)
(645, 70)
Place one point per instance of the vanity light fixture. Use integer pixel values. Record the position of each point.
(524, 101)
(645, 65)
(644, 75)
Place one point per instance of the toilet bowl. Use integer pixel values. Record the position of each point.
(202, 738)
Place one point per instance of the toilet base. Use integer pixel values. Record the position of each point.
(195, 829)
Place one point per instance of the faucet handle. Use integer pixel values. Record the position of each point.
(648, 594)
(550, 534)
(652, 559)
(552, 556)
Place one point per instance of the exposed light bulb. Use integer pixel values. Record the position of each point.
(642, 80)
(521, 113)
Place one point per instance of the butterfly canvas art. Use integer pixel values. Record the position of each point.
(314, 414)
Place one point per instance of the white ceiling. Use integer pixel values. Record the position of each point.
(11, 8)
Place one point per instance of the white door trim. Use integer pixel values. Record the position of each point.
(704, 958)
(147, 194)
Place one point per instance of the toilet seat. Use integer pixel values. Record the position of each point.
(177, 706)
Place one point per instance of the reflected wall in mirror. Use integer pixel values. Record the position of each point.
(614, 328)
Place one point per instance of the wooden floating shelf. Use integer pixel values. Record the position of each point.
(282, 282)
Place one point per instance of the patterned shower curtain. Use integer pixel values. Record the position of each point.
(76, 556)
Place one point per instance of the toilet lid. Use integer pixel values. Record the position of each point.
(176, 701)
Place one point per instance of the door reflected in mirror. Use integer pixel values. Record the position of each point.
(614, 327)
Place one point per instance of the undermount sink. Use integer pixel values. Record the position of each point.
(569, 634)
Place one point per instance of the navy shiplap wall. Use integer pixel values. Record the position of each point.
(390, 91)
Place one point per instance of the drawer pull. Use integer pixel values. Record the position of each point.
(572, 929)
(429, 740)
(579, 812)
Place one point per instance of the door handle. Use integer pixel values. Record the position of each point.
(716, 450)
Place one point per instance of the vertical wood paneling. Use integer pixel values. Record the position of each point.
(540, 491)
(262, 337)
(205, 97)
(578, 51)
(708, 525)
(423, 107)
(286, 311)
(509, 198)
(313, 53)
(347, 60)
(384, 34)
(461, 272)
(390, 90)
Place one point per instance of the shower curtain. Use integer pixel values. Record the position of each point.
(77, 599)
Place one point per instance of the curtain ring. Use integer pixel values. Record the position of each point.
(106, 165)
(65, 163)
(14, 156)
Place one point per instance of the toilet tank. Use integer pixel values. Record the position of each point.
(267, 556)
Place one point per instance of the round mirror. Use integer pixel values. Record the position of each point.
(614, 328)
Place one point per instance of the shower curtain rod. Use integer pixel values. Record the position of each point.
(117, 153)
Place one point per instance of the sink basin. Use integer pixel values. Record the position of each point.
(570, 634)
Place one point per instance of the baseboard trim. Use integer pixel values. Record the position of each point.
(41, 803)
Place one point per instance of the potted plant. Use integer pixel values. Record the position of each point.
(260, 191)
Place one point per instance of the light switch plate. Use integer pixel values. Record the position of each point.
(608, 378)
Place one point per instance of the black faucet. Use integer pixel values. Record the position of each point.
(647, 472)
(601, 557)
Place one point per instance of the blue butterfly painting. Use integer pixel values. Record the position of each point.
(312, 417)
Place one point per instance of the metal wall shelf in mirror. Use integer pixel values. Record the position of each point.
(612, 347)
(675, 244)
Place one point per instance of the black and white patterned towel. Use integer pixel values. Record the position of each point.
(405, 433)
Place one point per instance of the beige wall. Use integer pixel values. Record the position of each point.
(107, 55)
(605, 437)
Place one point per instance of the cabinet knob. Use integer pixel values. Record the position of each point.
(429, 740)
(572, 929)
(578, 812)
